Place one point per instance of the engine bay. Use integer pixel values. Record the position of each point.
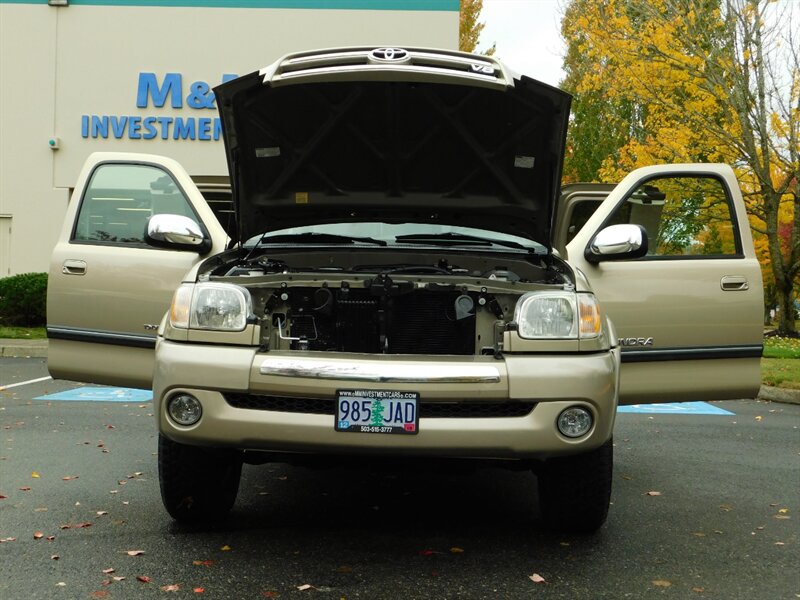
(380, 302)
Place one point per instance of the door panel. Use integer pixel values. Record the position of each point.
(107, 289)
(688, 315)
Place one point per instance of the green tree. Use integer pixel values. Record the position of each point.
(377, 413)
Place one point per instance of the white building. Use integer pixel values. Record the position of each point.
(78, 76)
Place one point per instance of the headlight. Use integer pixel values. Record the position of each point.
(215, 306)
(557, 315)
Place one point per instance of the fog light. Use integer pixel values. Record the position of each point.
(184, 409)
(574, 422)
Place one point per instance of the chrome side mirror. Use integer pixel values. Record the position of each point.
(617, 242)
(176, 232)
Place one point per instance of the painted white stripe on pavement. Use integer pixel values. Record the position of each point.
(13, 385)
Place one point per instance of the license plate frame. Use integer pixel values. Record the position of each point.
(402, 408)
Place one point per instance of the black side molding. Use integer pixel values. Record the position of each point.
(698, 353)
(113, 338)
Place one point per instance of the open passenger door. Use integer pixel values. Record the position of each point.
(108, 290)
(687, 314)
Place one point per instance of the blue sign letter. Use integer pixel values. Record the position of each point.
(148, 86)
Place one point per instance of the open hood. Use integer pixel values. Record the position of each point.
(394, 135)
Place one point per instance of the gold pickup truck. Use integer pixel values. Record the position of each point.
(393, 270)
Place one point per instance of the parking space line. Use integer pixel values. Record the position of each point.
(13, 385)
(100, 394)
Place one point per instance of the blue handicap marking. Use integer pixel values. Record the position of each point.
(675, 408)
(100, 394)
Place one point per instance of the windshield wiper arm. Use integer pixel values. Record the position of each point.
(456, 239)
(318, 238)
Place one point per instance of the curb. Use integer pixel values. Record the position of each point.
(10, 348)
(774, 394)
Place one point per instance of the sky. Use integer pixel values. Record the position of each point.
(527, 34)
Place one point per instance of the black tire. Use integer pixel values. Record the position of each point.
(575, 491)
(197, 484)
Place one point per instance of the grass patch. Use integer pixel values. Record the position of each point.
(22, 333)
(781, 372)
(781, 347)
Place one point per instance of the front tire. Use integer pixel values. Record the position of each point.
(197, 484)
(575, 491)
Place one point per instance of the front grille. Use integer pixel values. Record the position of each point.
(427, 409)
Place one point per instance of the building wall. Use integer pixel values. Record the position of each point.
(135, 75)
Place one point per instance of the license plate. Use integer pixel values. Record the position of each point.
(377, 411)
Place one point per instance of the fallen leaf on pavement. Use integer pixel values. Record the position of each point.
(536, 578)
(99, 594)
(65, 526)
(143, 578)
(304, 587)
(759, 418)
(783, 511)
(699, 534)
(653, 494)
(82, 525)
(3, 497)
(50, 538)
(38, 535)
(726, 507)
(69, 477)
(55, 557)
(174, 587)
(109, 570)
(456, 550)
(662, 583)
(344, 569)
(100, 513)
(270, 594)
(199, 590)
(35, 475)
(61, 584)
(429, 552)
(116, 578)
(698, 590)
(780, 543)
(134, 552)
(226, 548)
(25, 488)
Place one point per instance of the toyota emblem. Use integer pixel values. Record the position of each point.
(389, 54)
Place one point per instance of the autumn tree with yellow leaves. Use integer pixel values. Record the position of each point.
(469, 27)
(660, 81)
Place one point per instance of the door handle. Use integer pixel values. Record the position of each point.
(734, 283)
(74, 267)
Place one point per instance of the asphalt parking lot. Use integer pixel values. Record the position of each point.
(704, 506)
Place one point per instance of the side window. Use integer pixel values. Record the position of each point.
(121, 197)
(683, 216)
(580, 213)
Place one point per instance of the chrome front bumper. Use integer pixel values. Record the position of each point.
(554, 382)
